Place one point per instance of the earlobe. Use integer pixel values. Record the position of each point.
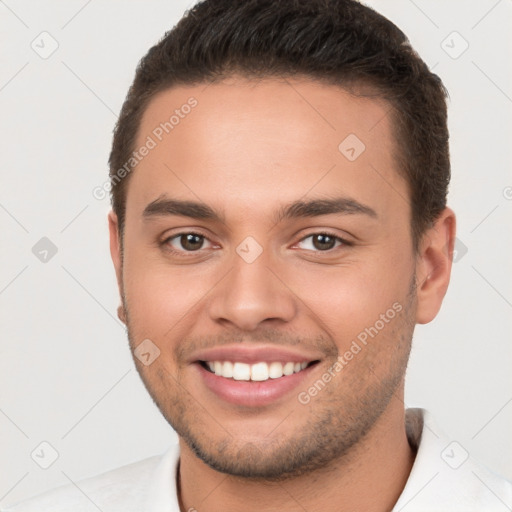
(121, 314)
(434, 264)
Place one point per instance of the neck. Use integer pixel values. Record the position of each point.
(371, 477)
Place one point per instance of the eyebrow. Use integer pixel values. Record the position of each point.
(195, 210)
(298, 209)
(317, 207)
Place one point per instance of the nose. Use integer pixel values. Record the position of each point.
(251, 295)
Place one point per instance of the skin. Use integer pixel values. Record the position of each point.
(248, 149)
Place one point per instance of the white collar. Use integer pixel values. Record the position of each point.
(445, 477)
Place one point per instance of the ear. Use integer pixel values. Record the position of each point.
(115, 249)
(434, 265)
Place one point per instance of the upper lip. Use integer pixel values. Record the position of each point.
(254, 354)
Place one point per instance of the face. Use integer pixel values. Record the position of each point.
(268, 259)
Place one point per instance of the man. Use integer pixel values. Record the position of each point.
(279, 175)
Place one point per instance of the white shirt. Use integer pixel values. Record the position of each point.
(443, 479)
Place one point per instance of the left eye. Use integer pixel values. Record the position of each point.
(320, 242)
(188, 242)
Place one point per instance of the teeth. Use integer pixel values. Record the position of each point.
(256, 372)
(259, 371)
(241, 371)
(288, 368)
(227, 369)
(275, 370)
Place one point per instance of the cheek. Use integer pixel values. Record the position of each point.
(159, 296)
(349, 298)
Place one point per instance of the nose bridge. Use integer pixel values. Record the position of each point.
(251, 293)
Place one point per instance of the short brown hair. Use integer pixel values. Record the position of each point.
(340, 42)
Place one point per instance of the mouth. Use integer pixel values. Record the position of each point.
(254, 385)
(258, 372)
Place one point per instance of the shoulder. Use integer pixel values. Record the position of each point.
(445, 476)
(122, 489)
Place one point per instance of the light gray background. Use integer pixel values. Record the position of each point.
(66, 374)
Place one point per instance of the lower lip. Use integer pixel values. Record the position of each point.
(252, 393)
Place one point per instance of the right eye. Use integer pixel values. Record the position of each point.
(186, 242)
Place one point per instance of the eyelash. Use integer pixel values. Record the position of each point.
(166, 243)
(337, 238)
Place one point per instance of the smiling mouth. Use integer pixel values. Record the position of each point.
(257, 372)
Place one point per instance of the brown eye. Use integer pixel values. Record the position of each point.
(323, 242)
(188, 242)
(320, 242)
(191, 242)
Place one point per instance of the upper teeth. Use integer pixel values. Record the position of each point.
(258, 371)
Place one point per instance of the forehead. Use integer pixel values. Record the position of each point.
(254, 143)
